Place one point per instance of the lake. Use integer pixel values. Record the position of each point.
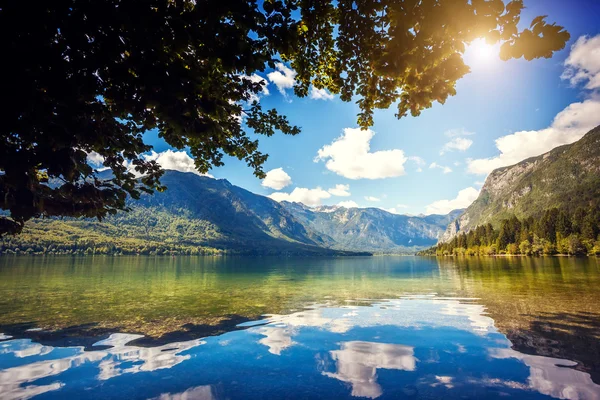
(294, 328)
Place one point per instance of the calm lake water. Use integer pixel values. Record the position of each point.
(273, 328)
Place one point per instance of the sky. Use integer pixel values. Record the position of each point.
(503, 112)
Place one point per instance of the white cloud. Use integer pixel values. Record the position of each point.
(340, 190)
(320, 94)
(568, 126)
(464, 199)
(168, 159)
(458, 132)
(444, 169)
(417, 160)
(309, 197)
(276, 179)
(174, 160)
(348, 204)
(314, 197)
(95, 159)
(349, 156)
(458, 143)
(583, 63)
(283, 78)
(372, 198)
(257, 79)
(395, 210)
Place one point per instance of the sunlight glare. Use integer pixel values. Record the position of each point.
(480, 54)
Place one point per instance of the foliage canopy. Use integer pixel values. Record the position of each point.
(90, 77)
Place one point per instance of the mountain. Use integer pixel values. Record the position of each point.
(202, 215)
(566, 177)
(371, 229)
(196, 214)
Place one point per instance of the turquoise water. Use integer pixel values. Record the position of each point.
(236, 328)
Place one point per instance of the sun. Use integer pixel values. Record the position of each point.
(481, 54)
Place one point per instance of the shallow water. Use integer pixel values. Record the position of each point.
(239, 328)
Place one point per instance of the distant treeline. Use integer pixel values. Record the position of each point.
(184, 237)
(554, 232)
(18, 245)
(143, 235)
(85, 237)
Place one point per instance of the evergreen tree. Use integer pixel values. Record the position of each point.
(555, 231)
(505, 236)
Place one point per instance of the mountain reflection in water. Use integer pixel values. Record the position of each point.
(414, 346)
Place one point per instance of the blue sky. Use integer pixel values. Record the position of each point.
(515, 100)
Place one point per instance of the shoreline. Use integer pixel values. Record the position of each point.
(325, 256)
(511, 255)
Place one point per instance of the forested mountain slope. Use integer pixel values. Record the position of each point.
(195, 214)
(566, 178)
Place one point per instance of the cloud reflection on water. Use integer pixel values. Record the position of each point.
(425, 338)
(15, 383)
(204, 392)
(276, 338)
(357, 363)
(144, 359)
(550, 376)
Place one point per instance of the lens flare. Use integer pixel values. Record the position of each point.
(480, 54)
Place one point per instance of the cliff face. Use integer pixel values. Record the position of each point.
(565, 177)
